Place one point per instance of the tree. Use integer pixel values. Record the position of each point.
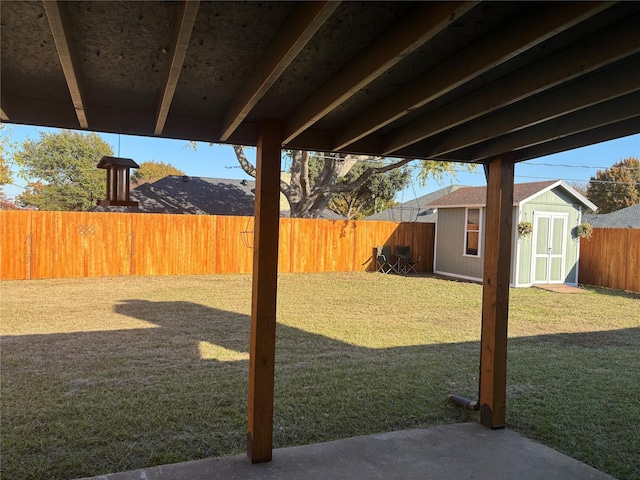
(309, 194)
(616, 187)
(5, 172)
(580, 187)
(152, 171)
(61, 172)
(376, 194)
(6, 176)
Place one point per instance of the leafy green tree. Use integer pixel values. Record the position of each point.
(377, 193)
(616, 187)
(152, 171)
(5, 171)
(580, 187)
(6, 176)
(60, 170)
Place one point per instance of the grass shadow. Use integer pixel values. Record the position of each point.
(89, 403)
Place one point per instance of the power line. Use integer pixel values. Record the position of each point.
(476, 172)
(622, 167)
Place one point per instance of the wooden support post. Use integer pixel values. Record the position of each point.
(495, 291)
(263, 302)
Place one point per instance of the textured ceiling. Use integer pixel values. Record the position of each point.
(463, 81)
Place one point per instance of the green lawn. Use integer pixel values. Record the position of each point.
(105, 375)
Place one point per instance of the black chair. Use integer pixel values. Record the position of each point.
(405, 264)
(383, 259)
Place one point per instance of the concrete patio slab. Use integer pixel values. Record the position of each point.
(451, 452)
(560, 288)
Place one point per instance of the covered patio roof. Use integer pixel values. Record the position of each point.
(489, 82)
(464, 81)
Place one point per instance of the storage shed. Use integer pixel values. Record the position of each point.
(548, 254)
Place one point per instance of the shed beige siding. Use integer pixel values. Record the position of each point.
(450, 258)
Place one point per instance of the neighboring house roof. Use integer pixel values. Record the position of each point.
(626, 218)
(182, 194)
(522, 193)
(415, 210)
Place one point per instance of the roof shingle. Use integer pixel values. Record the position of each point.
(626, 218)
(477, 196)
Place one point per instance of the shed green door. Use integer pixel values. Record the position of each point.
(549, 234)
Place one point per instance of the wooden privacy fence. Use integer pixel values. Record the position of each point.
(611, 258)
(93, 244)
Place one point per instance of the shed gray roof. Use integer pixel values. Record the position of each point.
(626, 218)
(522, 192)
(199, 196)
(416, 210)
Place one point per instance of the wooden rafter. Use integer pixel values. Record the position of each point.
(584, 120)
(184, 27)
(490, 51)
(420, 24)
(547, 73)
(573, 41)
(302, 24)
(605, 133)
(598, 88)
(61, 31)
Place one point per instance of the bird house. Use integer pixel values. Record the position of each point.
(118, 176)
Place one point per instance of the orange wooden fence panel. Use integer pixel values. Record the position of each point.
(633, 261)
(16, 243)
(611, 258)
(93, 244)
(232, 254)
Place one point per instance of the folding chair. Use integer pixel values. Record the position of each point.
(383, 259)
(405, 264)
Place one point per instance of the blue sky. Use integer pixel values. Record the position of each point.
(220, 161)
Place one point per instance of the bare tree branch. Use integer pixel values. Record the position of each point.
(244, 163)
(357, 183)
(306, 200)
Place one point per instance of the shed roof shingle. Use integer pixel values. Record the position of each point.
(477, 196)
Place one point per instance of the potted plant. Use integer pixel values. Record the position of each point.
(584, 230)
(525, 229)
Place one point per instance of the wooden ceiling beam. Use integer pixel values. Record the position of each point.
(612, 83)
(584, 120)
(604, 133)
(613, 45)
(488, 52)
(4, 107)
(184, 26)
(61, 30)
(421, 23)
(301, 25)
(577, 124)
(40, 112)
